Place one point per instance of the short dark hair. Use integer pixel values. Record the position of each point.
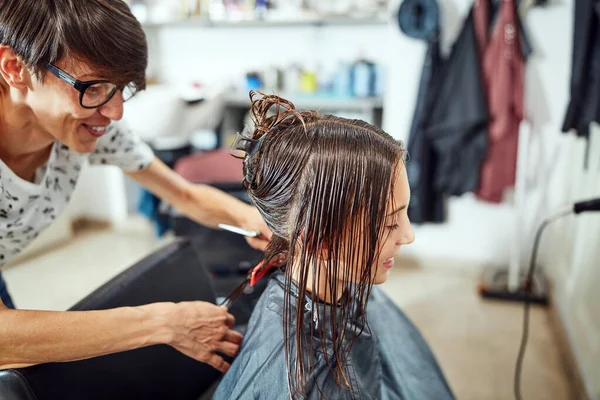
(101, 33)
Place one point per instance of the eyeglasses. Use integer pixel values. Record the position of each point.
(93, 94)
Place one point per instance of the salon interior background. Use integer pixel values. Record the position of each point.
(475, 232)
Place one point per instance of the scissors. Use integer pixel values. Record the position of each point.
(239, 231)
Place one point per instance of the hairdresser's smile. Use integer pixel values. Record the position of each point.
(95, 130)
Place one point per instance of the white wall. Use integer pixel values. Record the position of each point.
(216, 55)
(571, 254)
(570, 249)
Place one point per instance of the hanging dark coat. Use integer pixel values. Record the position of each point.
(426, 204)
(503, 68)
(584, 105)
(456, 124)
(419, 19)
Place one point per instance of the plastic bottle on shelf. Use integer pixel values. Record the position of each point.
(216, 10)
(291, 84)
(379, 80)
(189, 8)
(341, 82)
(253, 81)
(260, 9)
(326, 80)
(308, 79)
(272, 79)
(362, 77)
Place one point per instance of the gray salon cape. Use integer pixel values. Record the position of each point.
(391, 361)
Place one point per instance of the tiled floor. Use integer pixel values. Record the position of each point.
(476, 341)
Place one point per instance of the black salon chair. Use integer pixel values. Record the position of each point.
(175, 273)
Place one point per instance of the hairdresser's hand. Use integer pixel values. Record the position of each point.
(253, 222)
(200, 330)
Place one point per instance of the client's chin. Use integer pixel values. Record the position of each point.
(381, 276)
(383, 271)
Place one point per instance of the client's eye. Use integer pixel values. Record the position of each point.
(395, 226)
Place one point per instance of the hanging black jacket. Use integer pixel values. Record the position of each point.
(458, 119)
(448, 137)
(427, 204)
(584, 105)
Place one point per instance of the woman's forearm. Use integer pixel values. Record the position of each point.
(34, 337)
(209, 206)
(202, 203)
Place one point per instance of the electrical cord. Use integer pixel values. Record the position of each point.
(527, 289)
(583, 206)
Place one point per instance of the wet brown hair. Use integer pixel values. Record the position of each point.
(102, 33)
(323, 185)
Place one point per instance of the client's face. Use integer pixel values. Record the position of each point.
(398, 230)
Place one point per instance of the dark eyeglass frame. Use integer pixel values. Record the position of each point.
(82, 86)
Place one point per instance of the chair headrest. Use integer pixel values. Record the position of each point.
(14, 386)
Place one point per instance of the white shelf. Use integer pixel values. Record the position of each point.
(269, 22)
(314, 102)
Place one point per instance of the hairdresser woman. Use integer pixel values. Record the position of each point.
(66, 67)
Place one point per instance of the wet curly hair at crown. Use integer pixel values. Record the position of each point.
(273, 113)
